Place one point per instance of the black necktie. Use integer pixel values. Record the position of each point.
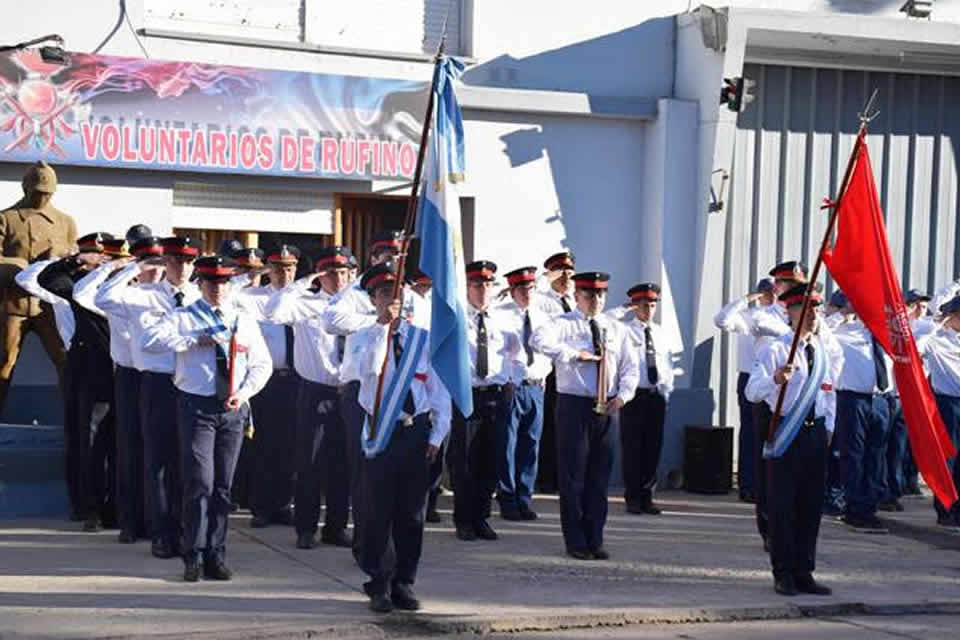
(341, 348)
(222, 379)
(288, 340)
(408, 407)
(652, 374)
(178, 299)
(527, 332)
(565, 304)
(809, 351)
(483, 362)
(880, 366)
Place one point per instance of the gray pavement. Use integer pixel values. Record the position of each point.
(699, 562)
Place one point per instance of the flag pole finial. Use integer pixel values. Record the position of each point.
(869, 113)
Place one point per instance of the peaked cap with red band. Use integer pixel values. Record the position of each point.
(792, 270)
(284, 254)
(378, 275)
(591, 280)
(645, 291)
(333, 258)
(116, 247)
(521, 276)
(562, 260)
(179, 246)
(252, 257)
(415, 276)
(482, 270)
(216, 268)
(93, 242)
(147, 247)
(794, 296)
(386, 241)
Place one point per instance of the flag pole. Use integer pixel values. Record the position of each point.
(865, 117)
(408, 224)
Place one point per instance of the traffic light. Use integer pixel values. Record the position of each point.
(735, 93)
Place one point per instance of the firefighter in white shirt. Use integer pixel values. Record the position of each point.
(641, 421)
(321, 438)
(866, 406)
(796, 453)
(518, 440)
(586, 423)
(221, 362)
(143, 305)
(413, 419)
(737, 318)
(272, 464)
(938, 341)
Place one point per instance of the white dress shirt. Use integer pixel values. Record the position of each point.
(549, 302)
(859, 373)
(364, 360)
(196, 366)
(502, 346)
(542, 365)
(142, 305)
(665, 354)
(62, 312)
(84, 294)
(762, 388)
(314, 348)
(253, 300)
(940, 347)
(567, 335)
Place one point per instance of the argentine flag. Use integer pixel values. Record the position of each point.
(441, 244)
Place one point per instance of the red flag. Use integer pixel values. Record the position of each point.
(860, 263)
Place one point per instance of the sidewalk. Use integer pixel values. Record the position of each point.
(700, 561)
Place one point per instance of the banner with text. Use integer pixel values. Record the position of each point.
(149, 114)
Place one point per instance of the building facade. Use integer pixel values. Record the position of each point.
(591, 126)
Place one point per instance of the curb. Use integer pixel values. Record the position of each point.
(928, 534)
(399, 625)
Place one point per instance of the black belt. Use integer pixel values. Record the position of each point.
(283, 373)
(650, 391)
(490, 388)
(532, 382)
(811, 423)
(409, 421)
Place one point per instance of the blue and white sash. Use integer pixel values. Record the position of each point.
(790, 423)
(391, 402)
(213, 326)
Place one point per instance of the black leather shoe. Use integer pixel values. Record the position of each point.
(466, 532)
(785, 586)
(433, 516)
(403, 598)
(485, 531)
(806, 584)
(580, 554)
(514, 515)
(259, 522)
(338, 538)
(285, 517)
(160, 549)
(651, 509)
(93, 524)
(214, 570)
(600, 554)
(890, 507)
(191, 570)
(526, 513)
(380, 603)
(635, 509)
(306, 541)
(125, 537)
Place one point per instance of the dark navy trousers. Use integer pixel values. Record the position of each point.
(131, 493)
(796, 501)
(473, 453)
(518, 444)
(761, 428)
(641, 441)
(394, 487)
(585, 445)
(210, 440)
(745, 462)
(353, 416)
(949, 407)
(322, 467)
(273, 462)
(897, 452)
(161, 455)
(866, 426)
